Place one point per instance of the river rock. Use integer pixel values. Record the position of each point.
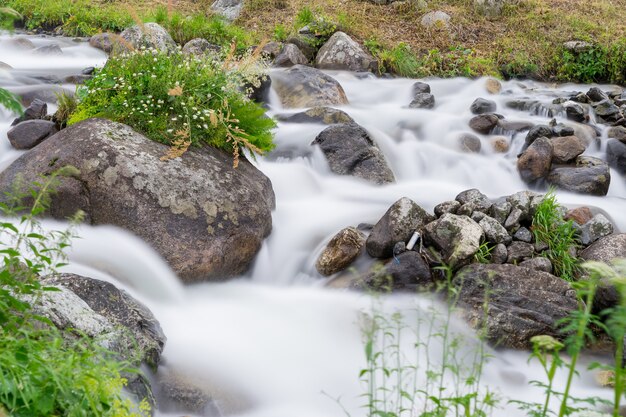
(447, 207)
(566, 149)
(562, 130)
(458, 237)
(200, 47)
(469, 143)
(538, 264)
(515, 126)
(535, 133)
(407, 271)
(596, 94)
(536, 161)
(289, 56)
(350, 150)
(575, 112)
(616, 155)
(302, 86)
(494, 231)
(596, 228)
(493, 86)
(499, 254)
(479, 200)
(180, 394)
(422, 101)
(20, 43)
(500, 144)
(436, 20)
(321, 115)
(340, 52)
(522, 302)
(105, 41)
(580, 215)
(605, 250)
(38, 109)
(481, 106)
(484, 123)
(420, 88)
(28, 134)
(397, 225)
(204, 217)
(229, 9)
(149, 35)
(590, 176)
(341, 251)
(519, 251)
(51, 49)
(606, 110)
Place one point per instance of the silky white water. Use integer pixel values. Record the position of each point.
(269, 343)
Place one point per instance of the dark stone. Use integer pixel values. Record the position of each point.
(499, 254)
(350, 150)
(592, 177)
(562, 130)
(28, 134)
(596, 94)
(407, 271)
(423, 101)
(523, 235)
(482, 106)
(535, 133)
(616, 155)
(607, 110)
(484, 123)
(420, 88)
(38, 109)
(536, 161)
(575, 112)
(178, 394)
(260, 93)
(519, 251)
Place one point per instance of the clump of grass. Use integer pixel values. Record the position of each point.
(181, 100)
(281, 33)
(548, 227)
(67, 104)
(483, 255)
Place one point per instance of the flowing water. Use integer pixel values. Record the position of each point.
(272, 342)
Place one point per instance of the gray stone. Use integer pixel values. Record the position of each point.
(606, 249)
(616, 155)
(302, 86)
(206, 218)
(596, 228)
(477, 216)
(482, 106)
(447, 207)
(500, 210)
(480, 201)
(617, 132)
(577, 46)
(340, 52)
(229, 9)
(515, 126)
(180, 394)
(423, 101)
(499, 254)
(562, 130)
(466, 209)
(289, 56)
(522, 302)
(575, 112)
(535, 133)
(341, 251)
(149, 35)
(469, 143)
(28, 134)
(566, 149)
(490, 8)
(272, 49)
(407, 271)
(420, 88)
(596, 94)
(458, 237)
(523, 235)
(200, 47)
(304, 43)
(494, 231)
(319, 115)
(436, 20)
(514, 218)
(519, 251)
(538, 264)
(590, 176)
(397, 225)
(607, 110)
(105, 41)
(484, 123)
(536, 161)
(350, 150)
(38, 109)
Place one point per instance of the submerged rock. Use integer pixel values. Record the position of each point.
(204, 217)
(481, 106)
(423, 101)
(302, 86)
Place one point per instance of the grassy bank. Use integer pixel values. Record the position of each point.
(525, 41)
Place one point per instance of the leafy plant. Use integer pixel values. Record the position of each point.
(10, 101)
(586, 66)
(281, 33)
(549, 228)
(181, 100)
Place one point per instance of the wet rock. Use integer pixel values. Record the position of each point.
(536, 161)
(535, 133)
(482, 106)
(302, 86)
(458, 237)
(229, 9)
(515, 126)
(149, 35)
(341, 251)
(580, 215)
(607, 110)
(200, 47)
(52, 49)
(616, 155)
(21, 43)
(566, 149)
(407, 271)
(590, 176)
(523, 235)
(493, 86)
(397, 225)
(420, 88)
(575, 112)
(617, 132)
(38, 109)
(204, 217)
(179, 394)
(289, 56)
(605, 250)
(522, 302)
(500, 144)
(105, 41)
(447, 207)
(469, 143)
(484, 123)
(321, 115)
(538, 264)
(350, 150)
(480, 201)
(28, 134)
(494, 231)
(340, 52)
(423, 101)
(596, 228)
(596, 94)
(435, 20)
(562, 130)
(519, 251)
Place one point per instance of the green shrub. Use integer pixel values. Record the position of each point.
(180, 101)
(586, 66)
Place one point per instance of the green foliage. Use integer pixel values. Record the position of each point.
(321, 26)
(549, 227)
(281, 33)
(181, 100)
(10, 101)
(400, 60)
(66, 105)
(587, 66)
(483, 255)
(304, 17)
(7, 17)
(42, 373)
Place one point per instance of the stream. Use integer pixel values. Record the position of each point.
(276, 342)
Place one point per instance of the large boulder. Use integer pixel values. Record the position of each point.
(536, 161)
(204, 217)
(28, 134)
(341, 251)
(350, 150)
(398, 224)
(589, 176)
(149, 35)
(457, 237)
(302, 86)
(340, 52)
(521, 302)
(566, 149)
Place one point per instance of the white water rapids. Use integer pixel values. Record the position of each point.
(268, 344)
